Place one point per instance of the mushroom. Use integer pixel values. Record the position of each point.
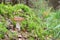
(18, 20)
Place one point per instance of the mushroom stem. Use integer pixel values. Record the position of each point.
(18, 26)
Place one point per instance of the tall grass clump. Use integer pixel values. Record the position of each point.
(40, 22)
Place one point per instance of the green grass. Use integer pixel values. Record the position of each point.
(46, 24)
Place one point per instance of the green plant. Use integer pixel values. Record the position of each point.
(3, 30)
(45, 24)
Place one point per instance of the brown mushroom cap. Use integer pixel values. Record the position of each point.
(18, 18)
